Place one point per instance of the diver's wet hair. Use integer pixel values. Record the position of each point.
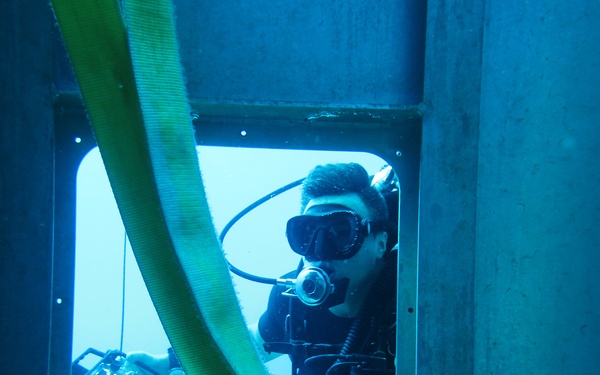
(341, 179)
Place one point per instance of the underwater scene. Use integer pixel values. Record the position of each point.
(256, 150)
(113, 310)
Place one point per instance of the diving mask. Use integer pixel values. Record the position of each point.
(336, 234)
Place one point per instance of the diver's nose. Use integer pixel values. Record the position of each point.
(324, 265)
(313, 262)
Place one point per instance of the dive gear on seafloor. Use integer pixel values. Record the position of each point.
(111, 363)
(329, 232)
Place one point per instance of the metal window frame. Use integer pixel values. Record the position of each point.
(394, 134)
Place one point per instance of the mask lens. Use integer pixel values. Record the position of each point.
(300, 233)
(341, 231)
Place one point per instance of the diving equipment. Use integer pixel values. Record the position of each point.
(313, 287)
(369, 347)
(337, 234)
(385, 181)
(111, 363)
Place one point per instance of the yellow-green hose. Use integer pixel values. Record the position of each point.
(132, 86)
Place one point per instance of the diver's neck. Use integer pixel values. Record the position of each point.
(352, 304)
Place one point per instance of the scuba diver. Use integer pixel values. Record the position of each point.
(336, 313)
(340, 317)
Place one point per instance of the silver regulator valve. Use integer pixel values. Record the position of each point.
(312, 286)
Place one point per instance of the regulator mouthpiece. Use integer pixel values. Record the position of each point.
(313, 287)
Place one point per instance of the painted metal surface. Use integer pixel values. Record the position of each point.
(336, 52)
(508, 245)
(448, 188)
(26, 187)
(537, 238)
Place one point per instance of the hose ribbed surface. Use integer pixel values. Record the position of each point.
(133, 89)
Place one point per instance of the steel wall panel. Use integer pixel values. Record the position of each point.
(448, 188)
(26, 187)
(509, 207)
(342, 52)
(538, 243)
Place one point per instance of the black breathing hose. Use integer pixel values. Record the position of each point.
(380, 293)
(236, 218)
(383, 185)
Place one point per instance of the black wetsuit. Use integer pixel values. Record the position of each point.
(316, 330)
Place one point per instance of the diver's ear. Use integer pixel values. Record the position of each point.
(381, 243)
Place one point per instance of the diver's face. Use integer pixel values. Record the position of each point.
(361, 268)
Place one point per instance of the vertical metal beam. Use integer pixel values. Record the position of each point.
(26, 186)
(73, 139)
(538, 243)
(509, 248)
(447, 219)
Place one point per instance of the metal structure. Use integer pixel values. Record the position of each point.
(489, 114)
